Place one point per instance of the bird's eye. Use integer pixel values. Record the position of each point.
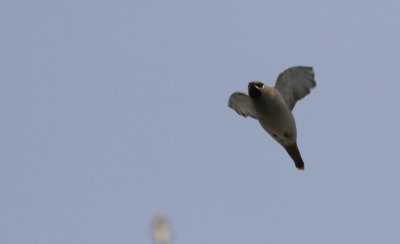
(259, 85)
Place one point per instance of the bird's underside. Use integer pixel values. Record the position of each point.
(272, 106)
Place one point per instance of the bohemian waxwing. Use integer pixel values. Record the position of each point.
(272, 106)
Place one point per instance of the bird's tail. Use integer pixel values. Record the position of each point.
(294, 153)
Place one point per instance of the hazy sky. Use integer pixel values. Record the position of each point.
(114, 110)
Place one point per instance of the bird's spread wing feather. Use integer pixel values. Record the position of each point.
(241, 103)
(295, 83)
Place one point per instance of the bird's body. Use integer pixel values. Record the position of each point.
(272, 106)
(275, 117)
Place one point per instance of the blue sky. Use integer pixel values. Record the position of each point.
(114, 110)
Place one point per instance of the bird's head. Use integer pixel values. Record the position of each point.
(254, 89)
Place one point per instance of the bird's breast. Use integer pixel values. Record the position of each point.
(276, 119)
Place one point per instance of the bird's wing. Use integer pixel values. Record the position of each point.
(295, 83)
(241, 103)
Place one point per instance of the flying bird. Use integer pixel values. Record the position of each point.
(272, 106)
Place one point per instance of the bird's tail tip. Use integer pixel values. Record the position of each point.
(299, 163)
(294, 153)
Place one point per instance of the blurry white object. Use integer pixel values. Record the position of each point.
(161, 230)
